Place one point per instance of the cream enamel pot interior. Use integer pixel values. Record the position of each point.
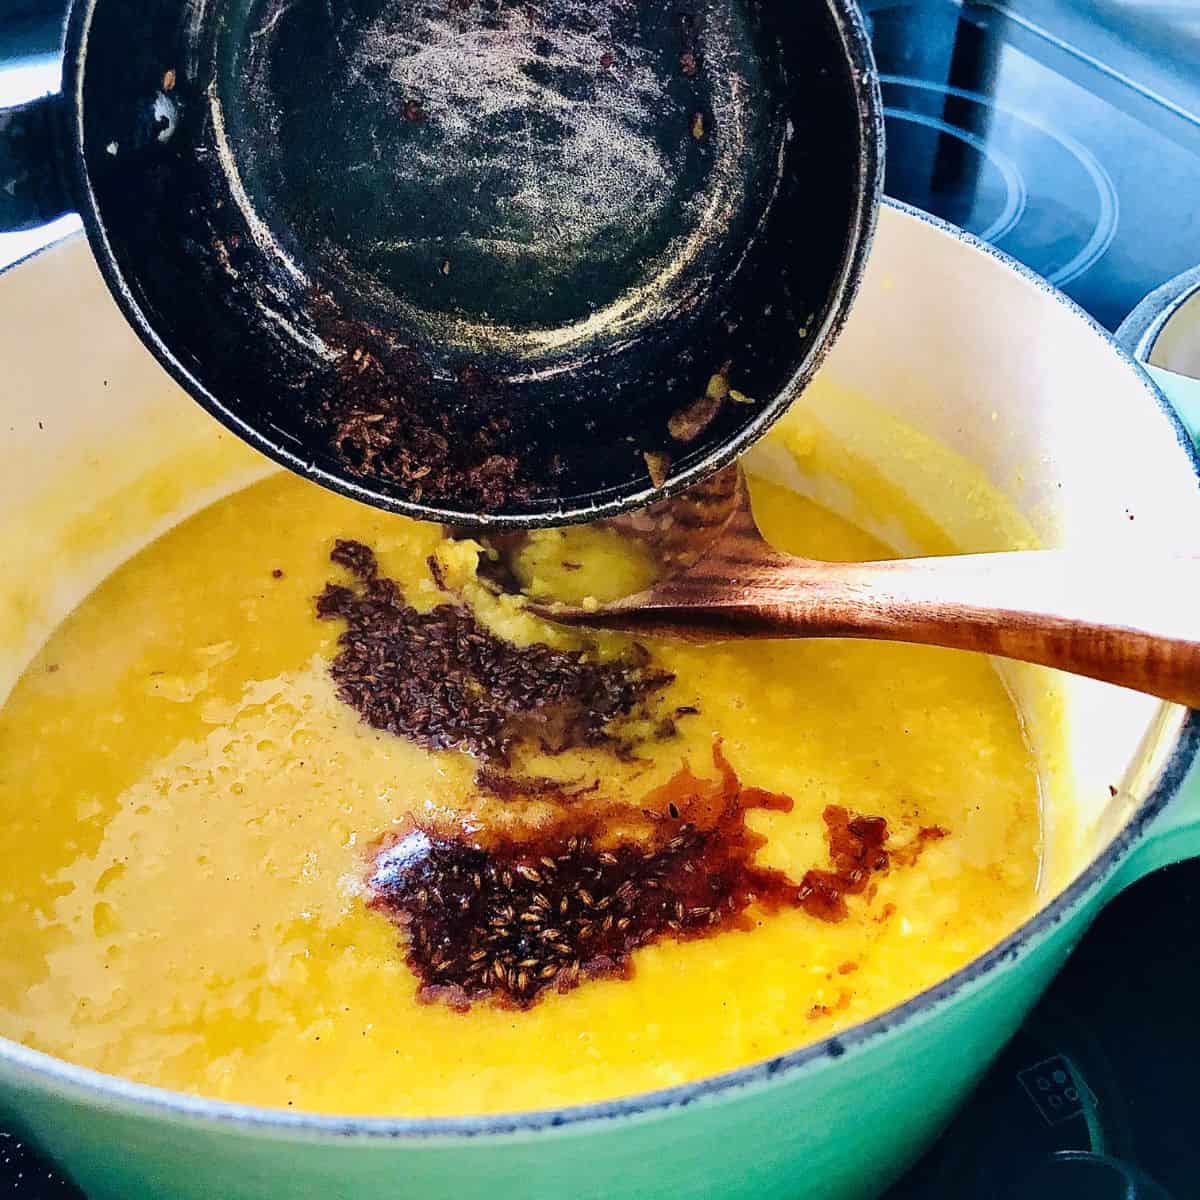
(947, 337)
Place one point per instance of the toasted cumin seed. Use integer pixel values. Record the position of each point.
(407, 672)
(588, 915)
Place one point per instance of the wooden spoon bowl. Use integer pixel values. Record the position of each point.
(1133, 622)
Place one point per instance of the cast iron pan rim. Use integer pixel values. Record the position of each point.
(868, 190)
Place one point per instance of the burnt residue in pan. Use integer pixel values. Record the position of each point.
(384, 419)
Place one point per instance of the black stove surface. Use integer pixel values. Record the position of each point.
(1095, 1098)
(1068, 133)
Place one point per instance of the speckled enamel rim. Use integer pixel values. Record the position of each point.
(1140, 331)
(111, 1092)
(848, 21)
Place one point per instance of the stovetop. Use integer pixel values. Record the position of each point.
(1067, 132)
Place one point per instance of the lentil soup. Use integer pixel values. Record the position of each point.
(295, 811)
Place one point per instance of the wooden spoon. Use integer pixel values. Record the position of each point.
(1133, 622)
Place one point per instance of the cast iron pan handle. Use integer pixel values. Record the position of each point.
(32, 188)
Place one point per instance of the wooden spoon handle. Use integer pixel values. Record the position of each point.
(1130, 621)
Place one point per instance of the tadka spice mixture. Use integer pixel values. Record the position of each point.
(508, 918)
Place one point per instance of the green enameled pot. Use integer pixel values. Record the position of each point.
(951, 338)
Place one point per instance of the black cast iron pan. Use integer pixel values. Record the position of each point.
(479, 261)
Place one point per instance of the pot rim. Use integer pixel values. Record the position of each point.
(96, 1086)
(1141, 329)
(868, 198)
